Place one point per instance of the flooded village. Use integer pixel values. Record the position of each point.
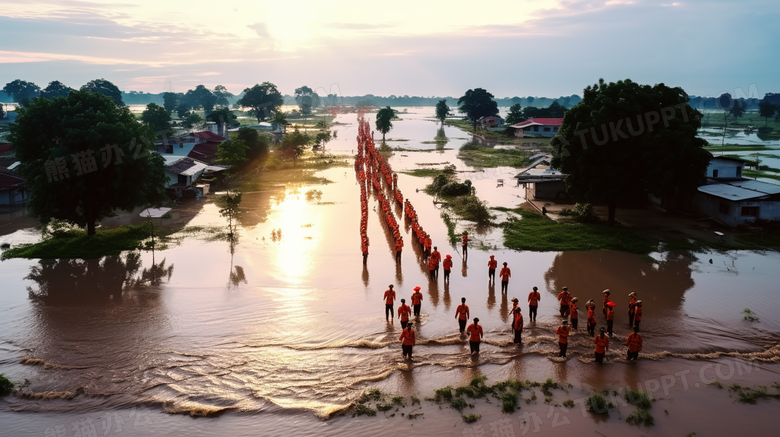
(262, 260)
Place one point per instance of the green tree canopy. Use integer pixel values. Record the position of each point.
(477, 103)
(442, 111)
(258, 144)
(223, 115)
(383, 120)
(263, 100)
(170, 101)
(2, 112)
(766, 110)
(232, 152)
(223, 95)
(307, 99)
(22, 91)
(156, 117)
(625, 140)
(515, 114)
(106, 88)
(192, 120)
(56, 89)
(84, 157)
(294, 144)
(555, 110)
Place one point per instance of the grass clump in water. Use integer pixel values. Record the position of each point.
(372, 394)
(638, 398)
(384, 407)
(598, 405)
(716, 384)
(748, 395)
(361, 410)
(749, 316)
(443, 394)
(509, 402)
(641, 417)
(568, 403)
(415, 400)
(459, 404)
(6, 386)
(547, 385)
(471, 418)
(399, 400)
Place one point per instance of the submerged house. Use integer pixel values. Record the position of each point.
(491, 122)
(537, 128)
(732, 200)
(541, 180)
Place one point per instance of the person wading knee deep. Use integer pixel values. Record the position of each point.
(408, 341)
(474, 332)
(447, 265)
(563, 338)
(518, 325)
(389, 297)
(631, 308)
(505, 274)
(610, 318)
(462, 314)
(533, 304)
(591, 306)
(417, 298)
(403, 313)
(602, 344)
(492, 268)
(563, 298)
(574, 313)
(638, 314)
(634, 343)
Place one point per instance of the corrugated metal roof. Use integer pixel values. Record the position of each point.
(725, 191)
(539, 122)
(764, 187)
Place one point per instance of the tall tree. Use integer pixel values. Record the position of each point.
(170, 101)
(232, 152)
(737, 110)
(224, 115)
(200, 97)
(156, 117)
(2, 111)
(766, 110)
(106, 88)
(442, 111)
(294, 144)
(258, 144)
(85, 157)
(22, 91)
(515, 114)
(625, 140)
(477, 103)
(223, 95)
(383, 120)
(307, 99)
(264, 99)
(56, 89)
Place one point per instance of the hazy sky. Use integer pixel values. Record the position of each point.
(422, 47)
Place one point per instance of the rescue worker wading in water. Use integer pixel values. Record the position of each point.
(634, 343)
(403, 313)
(533, 304)
(492, 264)
(408, 340)
(631, 308)
(475, 335)
(602, 344)
(417, 298)
(447, 265)
(563, 338)
(389, 297)
(462, 314)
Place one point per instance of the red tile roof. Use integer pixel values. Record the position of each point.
(539, 122)
(10, 182)
(209, 136)
(206, 152)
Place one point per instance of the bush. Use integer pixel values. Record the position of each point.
(361, 410)
(471, 418)
(598, 405)
(583, 212)
(459, 404)
(444, 393)
(471, 208)
(638, 398)
(641, 417)
(6, 386)
(454, 188)
(509, 402)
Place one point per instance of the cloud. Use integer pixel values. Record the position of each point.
(261, 29)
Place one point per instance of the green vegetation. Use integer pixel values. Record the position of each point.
(538, 233)
(751, 395)
(736, 148)
(361, 410)
(75, 243)
(372, 394)
(422, 172)
(415, 400)
(759, 174)
(384, 407)
(399, 400)
(638, 398)
(749, 316)
(568, 403)
(6, 386)
(485, 157)
(458, 404)
(641, 417)
(598, 405)
(509, 402)
(470, 208)
(582, 212)
(444, 393)
(716, 384)
(547, 385)
(471, 418)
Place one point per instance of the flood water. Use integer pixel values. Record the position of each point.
(289, 320)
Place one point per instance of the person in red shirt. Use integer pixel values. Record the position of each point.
(634, 343)
(432, 268)
(517, 325)
(606, 299)
(602, 344)
(638, 314)
(475, 334)
(408, 340)
(399, 245)
(563, 298)
(389, 297)
(447, 265)
(591, 306)
(462, 314)
(492, 268)
(631, 308)
(514, 305)
(563, 338)
(417, 298)
(403, 313)
(533, 303)
(505, 274)
(465, 244)
(573, 312)
(428, 243)
(436, 258)
(610, 318)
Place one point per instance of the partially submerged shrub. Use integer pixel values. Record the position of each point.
(443, 394)
(459, 404)
(641, 417)
(509, 402)
(471, 418)
(361, 410)
(638, 398)
(598, 405)
(6, 386)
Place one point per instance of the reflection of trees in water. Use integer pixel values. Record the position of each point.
(237, 276)
(73, 280)
(588, 273)
(256, 205)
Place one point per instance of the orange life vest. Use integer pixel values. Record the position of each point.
(601, 343)
(610, 313)
(564, 298)
(518, 325)
(563, 334)
(573, 310)
(638, 314)
(634, 342)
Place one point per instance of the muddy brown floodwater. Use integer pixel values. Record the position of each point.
(288, 327)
